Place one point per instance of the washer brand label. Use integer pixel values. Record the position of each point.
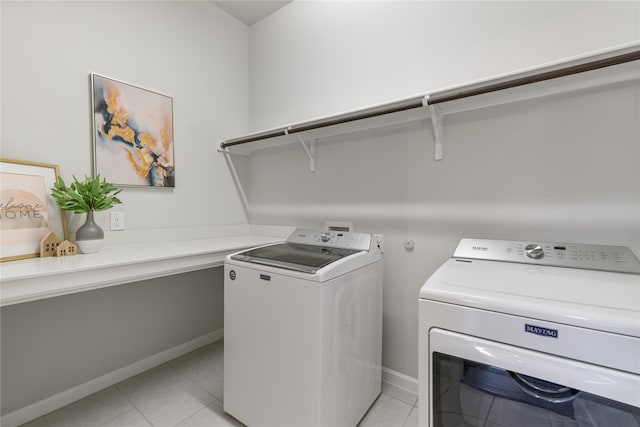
(539, 330)
(480, 248)
(265, 277)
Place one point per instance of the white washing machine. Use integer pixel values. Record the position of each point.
(303, 330)
(521, 334)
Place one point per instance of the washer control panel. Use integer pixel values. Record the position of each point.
(331, 239)
(571, 255)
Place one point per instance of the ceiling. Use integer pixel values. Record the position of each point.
(250, 12)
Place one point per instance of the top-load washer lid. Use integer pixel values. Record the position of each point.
(308, 251)
(293, 256)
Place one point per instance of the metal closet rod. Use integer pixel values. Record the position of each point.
(329, 121)
(540, 77)
(418, 102)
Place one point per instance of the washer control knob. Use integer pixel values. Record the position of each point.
(325, 236)
(534, 251)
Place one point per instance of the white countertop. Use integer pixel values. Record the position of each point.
(38, 278)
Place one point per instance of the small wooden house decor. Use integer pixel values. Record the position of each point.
(66, 248)
(49, 245)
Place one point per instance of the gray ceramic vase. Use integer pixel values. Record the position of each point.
(90, 236)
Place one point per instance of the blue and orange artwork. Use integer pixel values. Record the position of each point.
(133, 134)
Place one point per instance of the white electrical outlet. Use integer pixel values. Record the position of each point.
(117, 220)
(378, 242)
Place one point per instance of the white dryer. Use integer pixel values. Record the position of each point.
(303, 330)
(516, 334)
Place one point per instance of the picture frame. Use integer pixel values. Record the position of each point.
(132, 132)
(28, 212)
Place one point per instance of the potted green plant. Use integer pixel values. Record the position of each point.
(87, 197)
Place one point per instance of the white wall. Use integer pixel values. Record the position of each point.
(317, 58)
(564, 168)
(192, 51)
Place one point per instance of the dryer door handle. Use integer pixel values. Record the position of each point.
(544, 390)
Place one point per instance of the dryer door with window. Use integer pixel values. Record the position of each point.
(476, 382)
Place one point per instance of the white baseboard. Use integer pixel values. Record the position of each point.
(78, 392)
(400, 386)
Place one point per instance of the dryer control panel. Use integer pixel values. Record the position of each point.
(572, 255)
(331, 239)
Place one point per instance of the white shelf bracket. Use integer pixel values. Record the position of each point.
(236, 180)
(311, 151)
(436, 123)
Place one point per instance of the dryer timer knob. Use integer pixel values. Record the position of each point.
(534, 251)
(325, 236)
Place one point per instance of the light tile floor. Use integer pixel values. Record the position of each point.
(187, 392)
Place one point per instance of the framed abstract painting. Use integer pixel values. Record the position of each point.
(132, 134)
(27, 210)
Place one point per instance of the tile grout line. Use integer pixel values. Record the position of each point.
(404, 423)
(198, 411)
(179, 372)
(177, 369)
(406, 418)
(400, 400)
(133, 406)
